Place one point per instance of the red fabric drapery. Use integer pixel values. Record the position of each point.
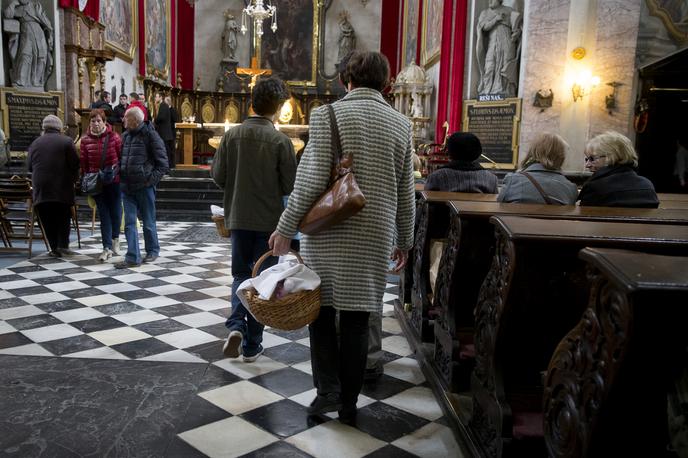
(458, 60)
(185, 44)
(445, 70)
(389, 38)
(91, 10)
(142, 38)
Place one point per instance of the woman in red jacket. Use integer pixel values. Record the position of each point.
(109, 201)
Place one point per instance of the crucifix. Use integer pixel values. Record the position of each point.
(259, 13)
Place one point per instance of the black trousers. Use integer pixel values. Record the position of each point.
(339, 362)
(56, 218)
(169, 146)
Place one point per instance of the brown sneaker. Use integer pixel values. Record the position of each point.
(232, 347)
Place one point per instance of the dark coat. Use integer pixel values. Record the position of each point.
(119, 111)
(54, 165)
(163, 122)
(618, 186)
(144, 159)
(92, 150)
(462, 176)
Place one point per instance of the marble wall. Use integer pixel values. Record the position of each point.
(607, 29)
(210, 23)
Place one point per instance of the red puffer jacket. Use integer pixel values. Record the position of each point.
(92, 150)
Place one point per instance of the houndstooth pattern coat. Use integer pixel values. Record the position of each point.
(352, 258)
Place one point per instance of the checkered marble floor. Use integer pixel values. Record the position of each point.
(174, 310)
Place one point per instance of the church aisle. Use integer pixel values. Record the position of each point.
(105, 362)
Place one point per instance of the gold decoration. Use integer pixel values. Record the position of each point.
(232, 112)
(578, 53)
(208, 112)
(286, 113)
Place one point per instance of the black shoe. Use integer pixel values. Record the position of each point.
(323, 404)
(232, 346)
(67, 252)
(150, 257)
(347, 415)
(54, 254)
(126, 265)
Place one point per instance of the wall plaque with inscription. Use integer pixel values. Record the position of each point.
(497, 125)
(23, 113)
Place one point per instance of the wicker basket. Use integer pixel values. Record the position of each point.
(288, 313)
(220, 224)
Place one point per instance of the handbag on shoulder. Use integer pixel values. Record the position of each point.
(342, 199)
(92, 182)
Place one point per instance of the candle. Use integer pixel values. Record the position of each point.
(226, 125)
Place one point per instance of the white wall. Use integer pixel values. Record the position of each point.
(119, 68)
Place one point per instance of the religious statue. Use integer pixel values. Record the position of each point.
(416, 106)
(30, 44)
(498, 49)
(347, 36)
(229, 38)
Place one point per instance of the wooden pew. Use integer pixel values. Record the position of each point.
(606, 385)
(534, 293)
(467, 259)
(433, 222)
(671, 196)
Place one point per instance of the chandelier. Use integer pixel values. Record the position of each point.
(259, 13)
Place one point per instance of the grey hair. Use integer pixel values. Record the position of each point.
(617, 147)
(136, 113)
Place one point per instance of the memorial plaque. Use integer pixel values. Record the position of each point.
(496, 124)
(23, 113)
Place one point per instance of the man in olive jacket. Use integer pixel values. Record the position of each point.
(255, 164)
(143, 164)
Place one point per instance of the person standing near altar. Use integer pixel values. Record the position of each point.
(255, 165)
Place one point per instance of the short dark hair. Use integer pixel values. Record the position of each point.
(341, 68)
(161, 94)
(268, 94)
(97, 112)
(123, 95)
(368, 69)
(103, 94)
(134, 96)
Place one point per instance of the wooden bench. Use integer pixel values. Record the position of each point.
(534, 293)
(609, 376)
(433, 222)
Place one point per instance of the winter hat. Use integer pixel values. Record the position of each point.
(52, 122)
(464, 146)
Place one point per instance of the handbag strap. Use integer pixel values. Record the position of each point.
(102, 156)
(544, 195)
(336, 141)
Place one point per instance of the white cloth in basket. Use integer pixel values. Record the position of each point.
(296, 276)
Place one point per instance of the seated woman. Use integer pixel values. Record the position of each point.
(540, 180)
(463, 173)
(614, 182)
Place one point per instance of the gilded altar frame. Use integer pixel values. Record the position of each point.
(431, 36)
(112, 15)
(314, 46)
(657, 9)
(159, 72)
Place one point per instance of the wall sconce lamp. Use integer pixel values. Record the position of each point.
(543, 99)
(583, 84)
(610, 100)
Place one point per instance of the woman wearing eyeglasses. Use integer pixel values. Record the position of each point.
(614, 182)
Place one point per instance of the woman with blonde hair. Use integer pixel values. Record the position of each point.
(540, 180)
(615, 183)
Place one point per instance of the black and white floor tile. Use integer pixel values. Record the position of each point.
(173, 311)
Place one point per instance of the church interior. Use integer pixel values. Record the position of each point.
(533, 152)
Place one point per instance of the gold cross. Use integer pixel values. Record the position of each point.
(254, 70)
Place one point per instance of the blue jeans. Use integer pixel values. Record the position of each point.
(109, 203)
(141, 202)
(247, 247)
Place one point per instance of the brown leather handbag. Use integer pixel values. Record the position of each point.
(343, 198)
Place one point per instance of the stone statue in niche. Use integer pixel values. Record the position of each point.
(416, 106)
(229, 38)
(498, 49)
(30, 44)
(347, 36)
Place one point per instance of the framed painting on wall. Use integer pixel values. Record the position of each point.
(431, 36)
(285, 51)
(121, 20)
(157, 20)
(410, 37)
(674, 16)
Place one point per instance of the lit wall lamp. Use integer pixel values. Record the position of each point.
(610, 100)
(583, 84)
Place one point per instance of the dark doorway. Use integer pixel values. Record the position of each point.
(662, 119)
